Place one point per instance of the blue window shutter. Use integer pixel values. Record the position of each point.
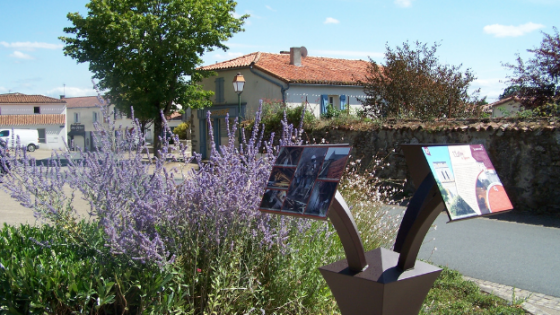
(342, 102)
(324, 102)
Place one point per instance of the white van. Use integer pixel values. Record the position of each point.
(29, 138)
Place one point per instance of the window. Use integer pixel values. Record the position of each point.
(76, 118)
(36, 110)
(334, 101)
(94, 116)
(42, 136)
(219, 90)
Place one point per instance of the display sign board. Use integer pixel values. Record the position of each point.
(77, 127)
(467, 180)
(304, 179)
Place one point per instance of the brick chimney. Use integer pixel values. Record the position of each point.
(295, 56)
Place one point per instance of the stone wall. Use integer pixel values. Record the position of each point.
(526, 154)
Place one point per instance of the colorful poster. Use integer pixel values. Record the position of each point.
(467, 180)
(304, 179)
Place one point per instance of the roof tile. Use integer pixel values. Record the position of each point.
(82, 102)
(22, 120)
(313, 70)
(18, 98)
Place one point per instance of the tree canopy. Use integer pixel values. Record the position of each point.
(413, 83)
(536, 80)
(145, 53)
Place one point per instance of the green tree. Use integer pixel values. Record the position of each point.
(413, 83)
(145, 53)
(537, 79)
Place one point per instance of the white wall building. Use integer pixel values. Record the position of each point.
(290, 77)
(45, 114)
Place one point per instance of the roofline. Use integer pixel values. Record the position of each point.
(355, 86)
(34, 104)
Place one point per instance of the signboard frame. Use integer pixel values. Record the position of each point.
(304, 180)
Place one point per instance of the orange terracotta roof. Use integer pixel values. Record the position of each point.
(18, 98)
(174, 116)
(313, 70)
(504, 100)
(43, 119)
(82, 102)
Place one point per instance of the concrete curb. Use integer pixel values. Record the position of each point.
(535, 303)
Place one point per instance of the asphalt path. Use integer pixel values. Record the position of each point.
(518, 250)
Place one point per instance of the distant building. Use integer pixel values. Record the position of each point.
(84, 112)
(506, 107)
(45, 114)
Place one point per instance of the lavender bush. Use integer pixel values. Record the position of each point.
(233, 258)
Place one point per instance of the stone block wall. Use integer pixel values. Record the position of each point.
(526, 154)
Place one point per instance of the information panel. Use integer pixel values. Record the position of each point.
(467, 180)
(304, 179)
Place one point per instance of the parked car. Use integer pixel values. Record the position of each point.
(28, 138)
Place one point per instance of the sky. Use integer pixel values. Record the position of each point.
(480, 35)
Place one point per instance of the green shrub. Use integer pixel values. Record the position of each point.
(181, 130)
(47, 270)
(331, 112)
(273, 112)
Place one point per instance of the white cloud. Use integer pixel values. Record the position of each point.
(3, 89)
(490, 87)
(404, 3)
(71, 92)
(331, 20)
(348, 54)
(29, 46)
(20, 55)
(270, 8)
(227, 56)
(499, 30)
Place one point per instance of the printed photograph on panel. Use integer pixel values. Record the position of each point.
(280, 177)
(273, 199)
(306, 173)
(321, 198)
(288, 156)
(334, 164)
(293, 206)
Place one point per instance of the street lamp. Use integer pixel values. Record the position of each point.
(238, 84)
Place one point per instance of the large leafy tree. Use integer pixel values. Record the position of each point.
(413, 83)
(145, 53)
(536, 80)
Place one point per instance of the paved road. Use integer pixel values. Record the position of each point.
(500, 250)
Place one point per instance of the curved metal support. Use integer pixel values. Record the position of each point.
(422, 211)
(343, 221)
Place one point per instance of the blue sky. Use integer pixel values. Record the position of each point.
(477, 34)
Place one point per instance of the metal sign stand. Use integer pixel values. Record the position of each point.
(382, 281)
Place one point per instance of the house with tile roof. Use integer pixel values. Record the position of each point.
(505, 107)
(84, 112)
(292, 77)
(45, 114)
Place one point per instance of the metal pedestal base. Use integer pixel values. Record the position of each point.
(382, 288)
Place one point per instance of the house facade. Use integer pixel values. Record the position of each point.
(506, 107)
(45, 114)
(291, 77)
(85, 112)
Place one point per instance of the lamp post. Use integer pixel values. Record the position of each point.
(238, 84)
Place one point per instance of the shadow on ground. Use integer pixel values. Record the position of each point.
(528, 218)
